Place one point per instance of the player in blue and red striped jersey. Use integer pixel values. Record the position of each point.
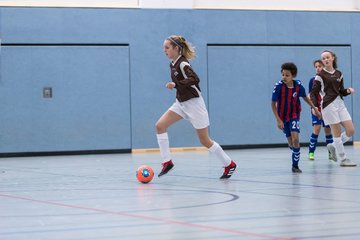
(286, 107)
(317, 122)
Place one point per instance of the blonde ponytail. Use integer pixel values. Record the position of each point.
(186, 49)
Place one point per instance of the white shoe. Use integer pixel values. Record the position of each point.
(332, 152)
(347, 163)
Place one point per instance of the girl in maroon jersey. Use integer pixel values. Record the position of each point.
(329, 83)
(188, 105)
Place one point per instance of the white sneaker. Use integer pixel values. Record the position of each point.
(332, 152)
(347, 163)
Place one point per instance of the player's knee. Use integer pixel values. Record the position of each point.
(327, 131)
(295, 142)
(317, 129)
(350, 132)
(160, 127)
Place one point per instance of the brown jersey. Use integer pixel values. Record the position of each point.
(329, 85)
(185, 79)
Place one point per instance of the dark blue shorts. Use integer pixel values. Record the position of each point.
(291, 126)
(317, 121)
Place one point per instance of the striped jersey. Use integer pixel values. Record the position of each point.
(288, 100)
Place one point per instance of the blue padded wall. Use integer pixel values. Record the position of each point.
(90, 107)
(108, 73)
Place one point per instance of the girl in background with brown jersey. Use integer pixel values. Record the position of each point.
(329, 83)
(189, 105)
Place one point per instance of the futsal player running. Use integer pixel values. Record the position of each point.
(329, 83)
(318, 122)
(286, 107)
(189, 105)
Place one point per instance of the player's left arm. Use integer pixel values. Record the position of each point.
(345, 91)
(350, 90)
(191, 78)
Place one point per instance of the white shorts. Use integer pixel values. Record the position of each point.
(335, 112)
(193, 110)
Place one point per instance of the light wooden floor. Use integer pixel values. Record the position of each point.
(98, 197)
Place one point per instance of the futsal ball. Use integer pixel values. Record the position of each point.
(144, 174)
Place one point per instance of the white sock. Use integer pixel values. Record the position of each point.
(344, 137)
(220, 154)
(339, 146)
(163, 141)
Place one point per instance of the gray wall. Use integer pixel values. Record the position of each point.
(108, 71)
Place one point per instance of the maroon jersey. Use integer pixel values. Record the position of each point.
(185, 79)
(329, 85)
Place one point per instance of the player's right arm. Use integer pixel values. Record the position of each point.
(279, 122)
(315, 90)
(274, 100)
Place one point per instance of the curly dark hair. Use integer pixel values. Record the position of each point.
(290, 66)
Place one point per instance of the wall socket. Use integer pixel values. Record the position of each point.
(47, 92)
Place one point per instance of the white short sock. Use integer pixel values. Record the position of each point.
(220, 154)
(163, 141)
